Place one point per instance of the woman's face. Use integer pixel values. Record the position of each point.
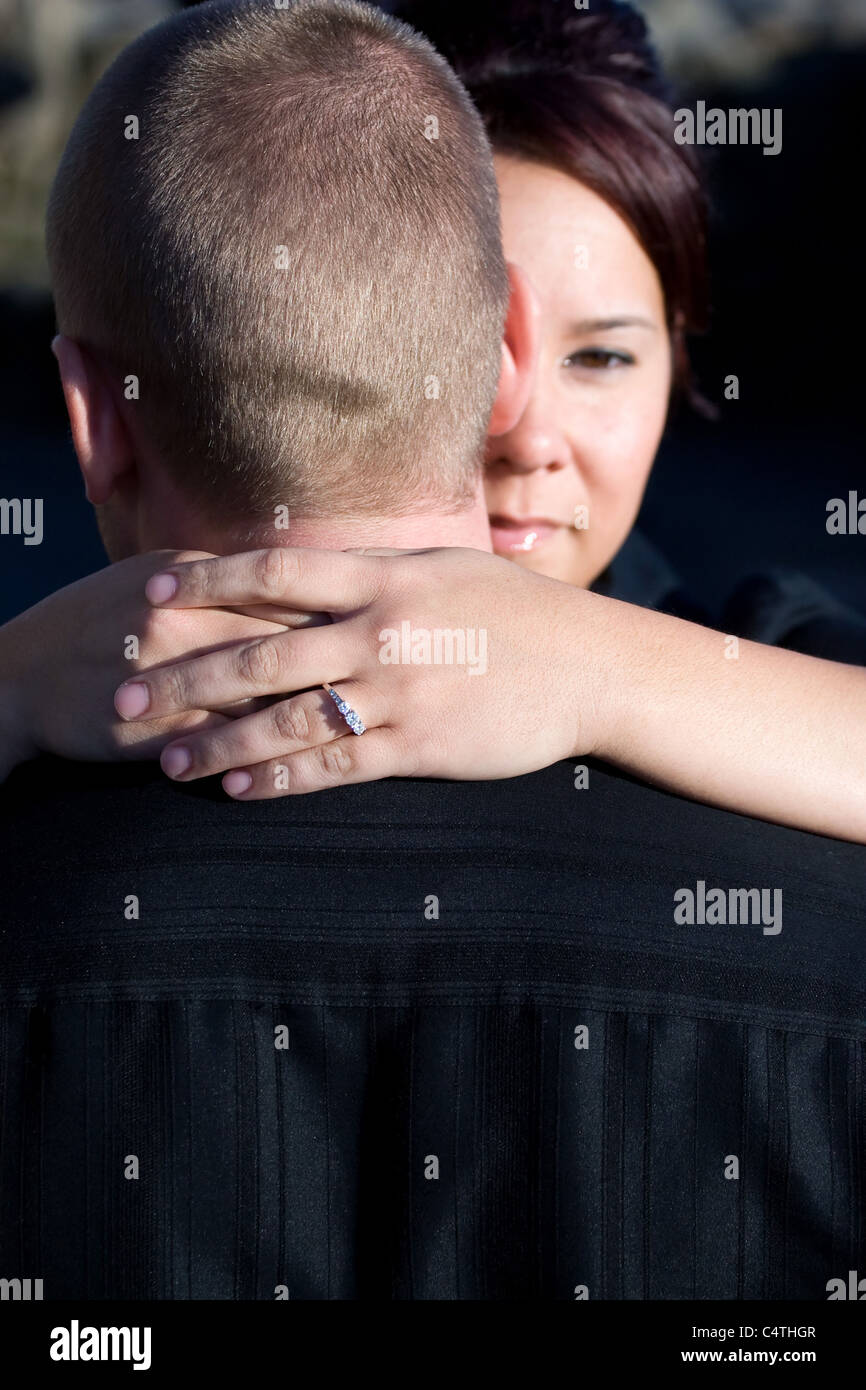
(564, 486)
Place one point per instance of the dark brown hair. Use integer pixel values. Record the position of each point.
(299, 257)
(583, 92)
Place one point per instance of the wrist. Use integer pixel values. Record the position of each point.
(584, 651)
(644, 674)
(597, 655)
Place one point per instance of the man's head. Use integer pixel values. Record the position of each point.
(274, 236)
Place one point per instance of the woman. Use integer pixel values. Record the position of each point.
(605, 215)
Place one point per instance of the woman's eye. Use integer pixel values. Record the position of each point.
(599, 359)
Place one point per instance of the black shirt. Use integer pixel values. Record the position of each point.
(424, 1040)
(778, 606)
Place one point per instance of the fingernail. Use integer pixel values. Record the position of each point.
(235, 783)
(161, 587)
(175, 761)
(131, 699)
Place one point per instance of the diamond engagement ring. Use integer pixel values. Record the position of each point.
(354, 721)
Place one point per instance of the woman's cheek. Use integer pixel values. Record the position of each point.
(616, 484)
(631, 442)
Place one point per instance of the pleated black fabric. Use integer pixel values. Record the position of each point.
(509, 1073)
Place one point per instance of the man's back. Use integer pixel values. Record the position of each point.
(424, 1040)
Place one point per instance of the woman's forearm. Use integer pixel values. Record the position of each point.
(752, 728)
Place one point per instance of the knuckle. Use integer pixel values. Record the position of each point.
(274, 572)
(258, 664)
(191, 572)
(335, 759)
(291, 723)
(172, 687)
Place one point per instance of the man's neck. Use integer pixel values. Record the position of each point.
(168, 522)
(466, 528)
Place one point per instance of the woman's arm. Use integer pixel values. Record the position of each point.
(752, 728)
(558, 672)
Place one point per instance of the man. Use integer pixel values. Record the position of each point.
(410, 1039)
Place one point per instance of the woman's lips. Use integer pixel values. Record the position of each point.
(514, 534)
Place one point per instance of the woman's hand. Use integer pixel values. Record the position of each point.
(539, 671)
(501, 690)
(60, 663)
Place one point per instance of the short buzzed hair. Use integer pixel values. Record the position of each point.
(299, 257)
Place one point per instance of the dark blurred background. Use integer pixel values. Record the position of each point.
(727, 498)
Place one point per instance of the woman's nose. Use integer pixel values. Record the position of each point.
(528, 449)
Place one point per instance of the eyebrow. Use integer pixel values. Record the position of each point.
(621, 321)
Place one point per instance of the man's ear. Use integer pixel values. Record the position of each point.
(520, 346)
(98, 433)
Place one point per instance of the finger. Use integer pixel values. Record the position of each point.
(313, 580)
(276, 613)
(376, 754)
(282, 729)
(277, 665)
(151, 737)
(367, 550)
